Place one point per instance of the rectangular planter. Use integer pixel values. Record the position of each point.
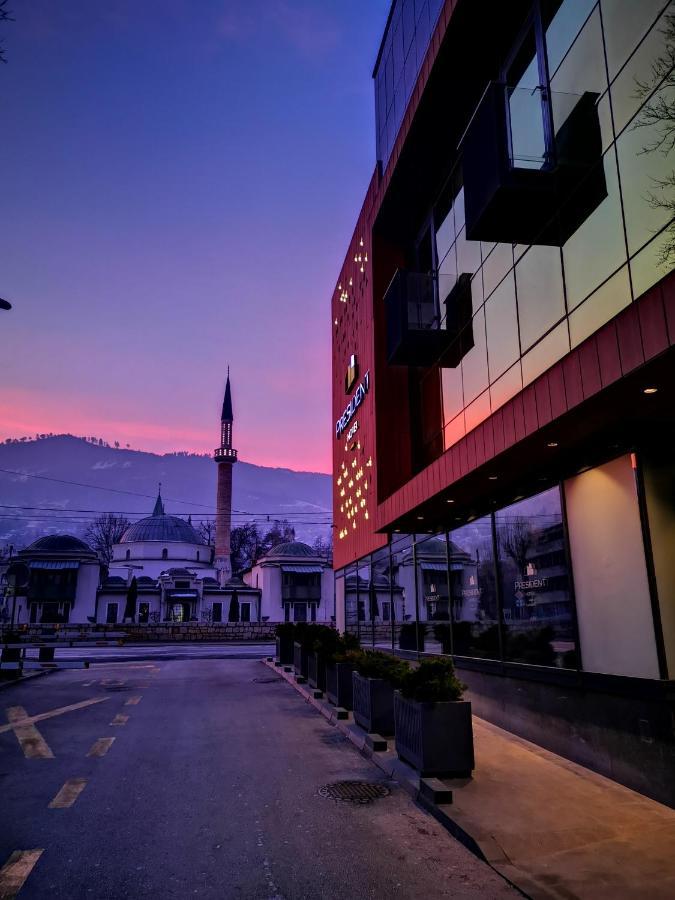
(435, 738)
(316, 670)
(300, 659)
(373, 704)
(285, 650)
(339, 686)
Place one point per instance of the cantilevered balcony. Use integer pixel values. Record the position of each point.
(428, 319)
(532, 165)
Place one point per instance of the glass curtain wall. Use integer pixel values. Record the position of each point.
(532, 304)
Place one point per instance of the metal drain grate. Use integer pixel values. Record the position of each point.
(354, 791)
(263, 680)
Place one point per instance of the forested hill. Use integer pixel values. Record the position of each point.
(80, 478)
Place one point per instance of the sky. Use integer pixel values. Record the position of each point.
(180, 180)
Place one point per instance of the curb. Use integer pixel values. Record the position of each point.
(14, 682)
(421, 790)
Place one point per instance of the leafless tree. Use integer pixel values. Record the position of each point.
(323, 546)
(207, 532)
(517, 539)
(103, 532)
(658, 115)
(5, 16)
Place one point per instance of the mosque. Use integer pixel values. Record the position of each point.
(179, 578)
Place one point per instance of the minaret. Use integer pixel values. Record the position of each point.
(225, 456)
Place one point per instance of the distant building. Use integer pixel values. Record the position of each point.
(296, 584)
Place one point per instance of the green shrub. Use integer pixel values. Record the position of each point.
(433, 680)
(285, 630)
(372, 664)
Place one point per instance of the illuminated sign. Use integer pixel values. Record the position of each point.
(356, 401)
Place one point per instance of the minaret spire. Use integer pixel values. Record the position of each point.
(159, 503)
(225, 456)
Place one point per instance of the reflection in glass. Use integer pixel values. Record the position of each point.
(625, 22)
(649, 266)
(597, 248)
(367, 604)
(563, 29)
(453, 431)
(502, 328)
(601, 306)
(506, 387)
(403, 583)
(535, 582)
(468, 254)
(473, 592)
(352, 623)
(474, 363)
(451, 380)
(496, 266)
(541, 299)
(478, 411)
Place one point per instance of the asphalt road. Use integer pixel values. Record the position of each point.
(209, 789)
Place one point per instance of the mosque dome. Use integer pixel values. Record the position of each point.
(161, 528)
(290, 548)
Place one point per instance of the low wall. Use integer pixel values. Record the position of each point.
(161, 633)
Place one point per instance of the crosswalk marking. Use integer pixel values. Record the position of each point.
(68, 794)
(120, 719)
(16, 870)
(132, 701)
(32, 743)
(101, 746)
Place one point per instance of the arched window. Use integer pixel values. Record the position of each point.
(165, 553)
(128, 556)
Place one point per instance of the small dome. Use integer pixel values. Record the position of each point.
(145, 581)
(292, 548)
(161, 528)
(115, 581)
(59, 543)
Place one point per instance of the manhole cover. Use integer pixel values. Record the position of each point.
(271, 680)
(354, 791)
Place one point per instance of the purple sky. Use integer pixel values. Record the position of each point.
(179, 184)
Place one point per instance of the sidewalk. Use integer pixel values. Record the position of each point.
(551, 827)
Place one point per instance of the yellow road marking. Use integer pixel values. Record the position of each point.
(31, 720)
(133, 701)
(120, 719)
(32, 743)
(16, 870)
(68, 794)
(101, 747)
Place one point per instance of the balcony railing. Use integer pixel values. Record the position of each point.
(532, 165)
(311, 593)
(428, 319)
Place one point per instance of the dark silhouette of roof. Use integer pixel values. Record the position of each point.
(291, 548)
(159, 504)
(59, 543)
(226, 415)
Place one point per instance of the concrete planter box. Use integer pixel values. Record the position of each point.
(285, 650)
(300, 659)
(435, 738)
(373, 704)
(339, 687)
(316, 670)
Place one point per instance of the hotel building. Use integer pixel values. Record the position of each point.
(504, 370)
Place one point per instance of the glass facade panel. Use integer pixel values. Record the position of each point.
(506, 387)
(496, 266)
(600, 307)
(538, 625)
(452, 393)
(583, 68)
(368, 607)
(474, 363)
(468, 255)
(473, 591)
(625, 23)
(563, 28)
(542, 356)
(478, 411)
(502, 328)
(653, 262)
(403, 584)
(597, 248)
(541, 298)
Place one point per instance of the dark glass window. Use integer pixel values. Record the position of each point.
(473, 590)
(538, 619)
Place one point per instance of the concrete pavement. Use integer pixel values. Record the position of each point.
(193, 778)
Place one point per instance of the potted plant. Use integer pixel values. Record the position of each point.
(433, 723)
(339, 667)
(302, 642)
(285, 632)
(324, 640)
(373, 682)
(411, 636)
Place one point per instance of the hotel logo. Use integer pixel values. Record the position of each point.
(352, 373)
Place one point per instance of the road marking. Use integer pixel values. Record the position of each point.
(31, 720)
(68, 794)
(32, 743)
(120, 719)
(133, 701)
(16, 870)
(101, 747)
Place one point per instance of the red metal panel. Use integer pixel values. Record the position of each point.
(498, 430)
(574, 391)
(480, 444)
(471, 450)
(608, 354)
(528, 400)
(488, 435)
(653, 323)
(556, 387)
(630, 340)
(543, 398)
(509, 424)
(668, 294)
(463, 458)
(590, 367)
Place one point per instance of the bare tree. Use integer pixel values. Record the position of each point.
(103, 532)
(207, 532)
(658, 116)
(5, 16)
(517, 539)
(323, 546)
